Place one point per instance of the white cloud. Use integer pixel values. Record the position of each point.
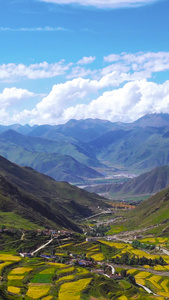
(11, 96)
(80, 72)
(128, 103)
(32, 29)
(74, 98)
(10, 100)
(104, 3)
(13, 71)
(86, 60)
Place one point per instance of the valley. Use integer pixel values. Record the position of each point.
(84, 210)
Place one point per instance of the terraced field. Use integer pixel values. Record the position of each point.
(37, 278)
(158, 284)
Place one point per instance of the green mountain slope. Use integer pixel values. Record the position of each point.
(42, 200)
(151, 212)
(57, 159)
(140, 149)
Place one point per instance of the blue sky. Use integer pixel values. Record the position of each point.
(63, 59)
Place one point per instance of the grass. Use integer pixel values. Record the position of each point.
(12, 220)
(116, 229)
(72, 290)
(42, 278)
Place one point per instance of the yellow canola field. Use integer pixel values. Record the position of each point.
(65, 278)
(2, 265)
(21, 270)
(37, 291)
(143, 275)
(165, 284)
(13, 290)
(131, 271)
(67, 270)
(159, 268)
(154, 279)
(140, 281)
(57, 265)
(15, 277)
(72, 290)
(98, 256)
(9, 257)
(117, 245)
(66, 245)
(82, 271)
(48, 271)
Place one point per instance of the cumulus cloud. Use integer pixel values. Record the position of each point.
(128, 103)
(118, 92)
(149, 61)
(104, 3)
(11, 96)
(10, 100)
(86, 60)
(13, 71)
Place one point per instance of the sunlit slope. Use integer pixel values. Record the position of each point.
(36, 196)
(151, 212)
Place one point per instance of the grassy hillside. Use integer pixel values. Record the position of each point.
(151, 212)
(42, 200)
(62, 160)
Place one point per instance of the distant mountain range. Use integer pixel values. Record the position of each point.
(145, 184)
(32, 200)
(83, 149)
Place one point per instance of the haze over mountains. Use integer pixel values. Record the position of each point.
(145, 184)
(88, 149)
